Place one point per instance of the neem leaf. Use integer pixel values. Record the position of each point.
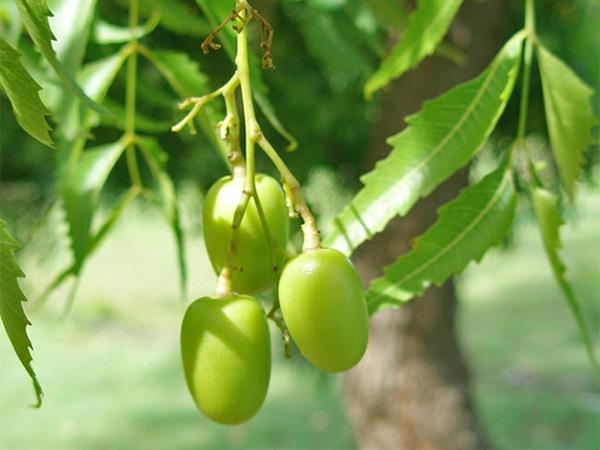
(80, 192)
(438, 141)
(545, 205)
(11, 306)
(23, 93)
(569, 116)
(34, 14)
(426, 27)
(466, 228)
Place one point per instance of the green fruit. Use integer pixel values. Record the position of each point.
(254, 271)
(323, 305)
(226, 354)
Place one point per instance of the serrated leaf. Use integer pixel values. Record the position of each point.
(569, 116)
(156, 159)
(107, 33)
(438, 141)
(545, 205)
(34, 14)
(23, 93)
(427, 25)
(75, 268)
(11, 306)
(80, 192)
(71, 24)
(465, 229)
(216, 11)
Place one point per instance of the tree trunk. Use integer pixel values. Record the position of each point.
(411, 390)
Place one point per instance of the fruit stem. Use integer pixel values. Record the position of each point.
(199, 102)
(279, 323)
(224, 284)
(312, 239)
(230, 131)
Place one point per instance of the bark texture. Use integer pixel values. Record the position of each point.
(411, 390)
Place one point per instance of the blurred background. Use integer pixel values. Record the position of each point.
(501, 335)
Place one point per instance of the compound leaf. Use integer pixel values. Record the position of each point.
(466, 228)
(23, 93)
(438, 141)
(427, 26)
(569, 116)
(11, 306)
(545, 205)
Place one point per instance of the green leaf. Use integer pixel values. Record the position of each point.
(22, 91)
(569, 116)
(466, 228)
(438, 141)
(182, 74)
(156, 159)
(11, 306)
(107, 33)
(11, 26)
(75, 268)
(330, 42)
(175, 16)
(95, 79)
(34, 14)
(427, 26)
(80, 193)
(216, 11)
(71, 25)
(545, 205)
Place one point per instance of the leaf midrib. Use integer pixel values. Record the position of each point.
(478, 219)
(456, 127)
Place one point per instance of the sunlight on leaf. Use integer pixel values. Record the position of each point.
(34, 14)
(569, 115)
(23, 93)
(465, 229)
(426, 28)
(438, 141)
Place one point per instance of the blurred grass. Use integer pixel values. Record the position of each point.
(112, 376)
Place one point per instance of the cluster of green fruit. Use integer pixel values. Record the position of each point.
(225, 343)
